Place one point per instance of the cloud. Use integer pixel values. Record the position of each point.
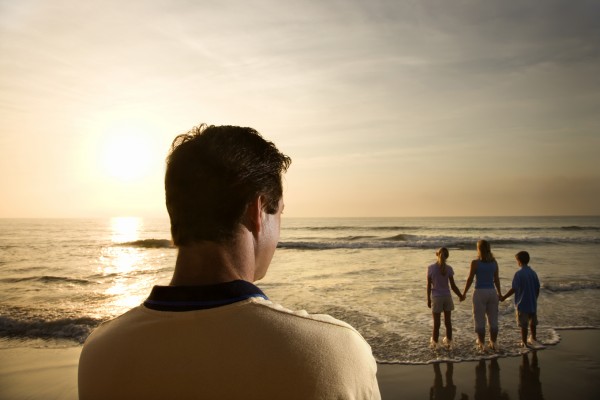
(392, 92)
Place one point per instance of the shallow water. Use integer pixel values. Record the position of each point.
(61, 278)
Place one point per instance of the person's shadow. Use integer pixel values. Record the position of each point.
(530, 387)
(439, 390)
(488, 387)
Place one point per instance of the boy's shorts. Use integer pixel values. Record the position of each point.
(442, 303)
(523, 319)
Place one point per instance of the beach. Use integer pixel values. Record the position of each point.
(569, 369)
(60, 279)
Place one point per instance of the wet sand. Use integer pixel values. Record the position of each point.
(568, 370)
(571, 369)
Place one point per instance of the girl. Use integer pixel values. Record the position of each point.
(440, 277)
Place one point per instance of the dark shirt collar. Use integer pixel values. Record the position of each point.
(189, 298)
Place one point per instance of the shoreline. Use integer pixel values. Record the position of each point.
(569, 369)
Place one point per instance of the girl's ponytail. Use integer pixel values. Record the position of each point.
(442, 255)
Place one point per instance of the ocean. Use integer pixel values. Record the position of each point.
(60, 278)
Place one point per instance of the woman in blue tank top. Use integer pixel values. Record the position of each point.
(485, 297)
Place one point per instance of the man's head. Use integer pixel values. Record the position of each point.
(522, 258)
(213, 173)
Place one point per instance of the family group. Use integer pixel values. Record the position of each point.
(486, 297)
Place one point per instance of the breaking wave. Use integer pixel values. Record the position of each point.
(149, 244)
(421, 241)
(76, 329)
(47, 279)
(570, 286)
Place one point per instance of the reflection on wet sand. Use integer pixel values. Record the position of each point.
(487, 381)
(439, 390)
(530, 387)
(488, 387)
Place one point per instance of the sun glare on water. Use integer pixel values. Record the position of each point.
(127, 289)
(125, 229)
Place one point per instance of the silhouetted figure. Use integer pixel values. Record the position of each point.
(211, 333)
(439, 391)
(530, 387)
(488, 389)
(526, 288)
(487, 292)
(440, 278)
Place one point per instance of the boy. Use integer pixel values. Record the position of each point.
(526, 288)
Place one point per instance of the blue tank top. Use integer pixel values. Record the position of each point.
(485, 275)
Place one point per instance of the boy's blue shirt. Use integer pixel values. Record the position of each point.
(526, 286)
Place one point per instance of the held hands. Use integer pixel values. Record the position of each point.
(500, 297)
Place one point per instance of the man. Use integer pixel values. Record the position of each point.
(211, 333)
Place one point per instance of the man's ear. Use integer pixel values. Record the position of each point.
(254, 215)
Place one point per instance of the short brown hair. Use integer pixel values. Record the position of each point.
(213, 173)
(523, 257)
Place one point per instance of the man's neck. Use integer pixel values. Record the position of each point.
(207, 263)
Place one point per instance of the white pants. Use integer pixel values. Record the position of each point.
(485, 304)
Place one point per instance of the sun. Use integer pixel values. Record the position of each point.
(126, 155)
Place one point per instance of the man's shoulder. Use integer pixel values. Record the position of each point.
(114, 323)
(300, 315)
(270, 309)
(285, 343)
(274, 316)
(264, 316)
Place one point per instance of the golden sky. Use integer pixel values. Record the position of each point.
(387, 108)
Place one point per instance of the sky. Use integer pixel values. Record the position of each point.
(387, 108)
